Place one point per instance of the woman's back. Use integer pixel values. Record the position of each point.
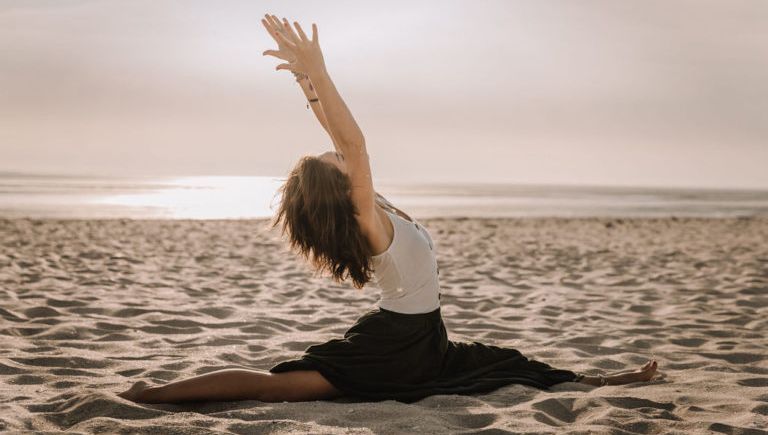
(407, 271)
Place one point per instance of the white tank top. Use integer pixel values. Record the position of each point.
(407, 271)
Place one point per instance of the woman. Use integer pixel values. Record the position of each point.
(334, 219)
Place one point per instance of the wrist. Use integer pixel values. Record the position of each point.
(306, 85)
(317, 72)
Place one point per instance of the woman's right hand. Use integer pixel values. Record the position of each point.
(303, 55)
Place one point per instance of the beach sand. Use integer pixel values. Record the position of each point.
(89, 307)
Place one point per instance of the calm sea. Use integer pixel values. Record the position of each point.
(41, 196)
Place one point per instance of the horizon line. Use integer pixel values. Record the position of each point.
(392, 182)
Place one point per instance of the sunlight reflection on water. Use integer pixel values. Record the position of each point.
(205, 198)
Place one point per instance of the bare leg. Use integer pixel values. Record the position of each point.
(645, 373)
(237, 384)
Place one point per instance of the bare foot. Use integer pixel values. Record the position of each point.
(647, 371)
(134, 392)
(644, 374)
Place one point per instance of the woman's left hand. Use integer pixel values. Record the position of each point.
(275, 28)
(303, 55)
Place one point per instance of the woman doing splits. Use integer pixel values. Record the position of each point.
(333, 217)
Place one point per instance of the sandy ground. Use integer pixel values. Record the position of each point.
(88, 307)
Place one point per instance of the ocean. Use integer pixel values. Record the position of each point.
(227, 197)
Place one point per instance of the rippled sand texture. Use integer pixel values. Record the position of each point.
(88, 307)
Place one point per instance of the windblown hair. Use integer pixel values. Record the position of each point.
(317, 213)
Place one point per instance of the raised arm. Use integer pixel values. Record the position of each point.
(308, 59)
(273, 26)
(313, 101)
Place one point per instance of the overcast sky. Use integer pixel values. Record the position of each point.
(591, 92)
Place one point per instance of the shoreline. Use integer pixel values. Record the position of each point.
(422, 219)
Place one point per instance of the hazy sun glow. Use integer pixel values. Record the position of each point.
(205, 198)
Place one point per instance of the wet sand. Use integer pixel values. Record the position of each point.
(88, 307)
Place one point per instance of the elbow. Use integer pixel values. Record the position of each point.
(352, 144)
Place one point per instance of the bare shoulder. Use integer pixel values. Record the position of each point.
(377, 229)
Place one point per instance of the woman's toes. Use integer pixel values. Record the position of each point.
(132, 393)
(651, 371)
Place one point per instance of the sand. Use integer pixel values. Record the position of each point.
(88, 307)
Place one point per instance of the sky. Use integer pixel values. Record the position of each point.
(643, 93)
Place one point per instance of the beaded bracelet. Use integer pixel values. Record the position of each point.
(299, 76)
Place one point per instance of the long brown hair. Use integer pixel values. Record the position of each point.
(317, 213)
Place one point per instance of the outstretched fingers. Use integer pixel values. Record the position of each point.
(294, 46)
(289, 31)
(287, 66)
(282, 39)
(274, 28)
(266, 25)
(302, 35)
(276, 54)
(272, 25)
(275, 22)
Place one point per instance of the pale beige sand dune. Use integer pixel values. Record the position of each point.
(88, 307)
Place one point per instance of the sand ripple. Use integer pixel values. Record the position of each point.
(87, 307)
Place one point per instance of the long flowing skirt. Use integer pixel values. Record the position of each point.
(406, 357)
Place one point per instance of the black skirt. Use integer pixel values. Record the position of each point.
(406, 357)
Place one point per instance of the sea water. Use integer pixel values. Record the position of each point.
(233, 197)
